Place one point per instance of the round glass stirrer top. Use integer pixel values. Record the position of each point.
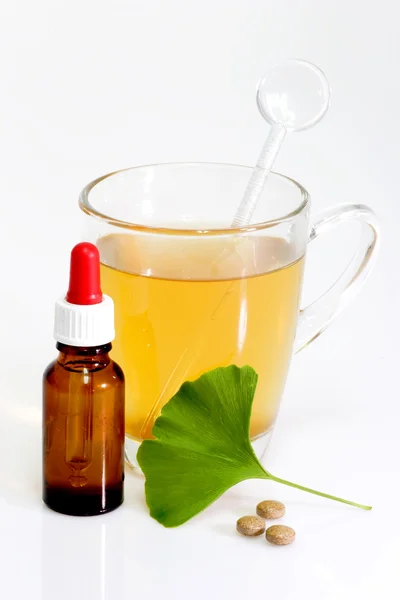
(292, 96)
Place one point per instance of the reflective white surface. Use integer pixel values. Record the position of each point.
(327, 437)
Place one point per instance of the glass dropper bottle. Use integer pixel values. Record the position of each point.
(83, 399)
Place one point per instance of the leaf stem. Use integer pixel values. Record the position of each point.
(305, 489)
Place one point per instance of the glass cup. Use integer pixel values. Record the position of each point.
(192, 294)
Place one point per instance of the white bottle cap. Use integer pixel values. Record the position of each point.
(84, 325)
(85, 317)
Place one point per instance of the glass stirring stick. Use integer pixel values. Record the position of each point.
(292, 96)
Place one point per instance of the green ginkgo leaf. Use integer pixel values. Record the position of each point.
(202, 446)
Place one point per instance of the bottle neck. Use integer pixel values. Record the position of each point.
(74, 358)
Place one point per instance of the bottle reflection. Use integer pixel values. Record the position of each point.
(82, 558)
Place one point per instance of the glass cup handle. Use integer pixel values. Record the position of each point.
(316, 317)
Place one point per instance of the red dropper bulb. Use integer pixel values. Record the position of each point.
(84, 275)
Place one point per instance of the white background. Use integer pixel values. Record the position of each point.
(90, 86)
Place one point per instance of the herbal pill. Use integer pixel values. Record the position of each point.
(250, 526)
(281, 535)
(270, 509)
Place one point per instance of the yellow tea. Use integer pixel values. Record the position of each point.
(184, 306)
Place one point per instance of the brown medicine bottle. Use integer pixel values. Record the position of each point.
(83, 399)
